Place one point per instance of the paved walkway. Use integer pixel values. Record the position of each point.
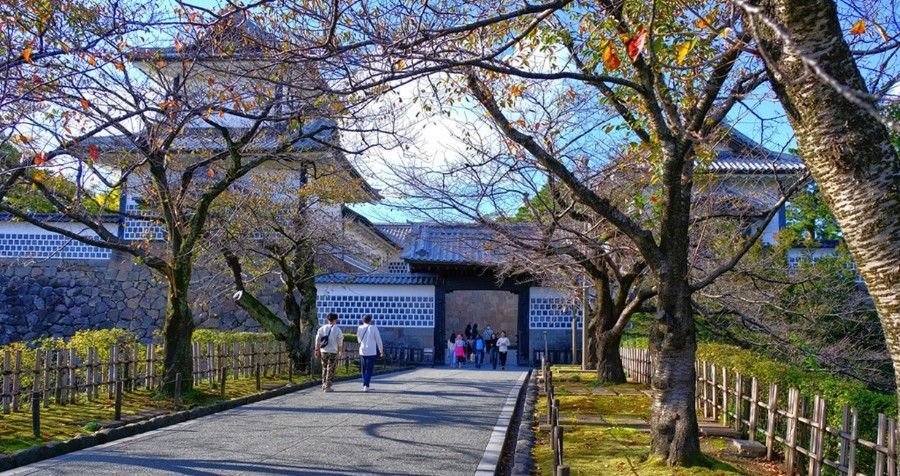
(425, 421)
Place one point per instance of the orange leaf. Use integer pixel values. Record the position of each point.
(85, 104)
(858, 28)
(119, 66)
(701, 23)
(91, 60)
(40, 159)
(635, 45)
(211, 173)
(210, 81)
(26, 54)
(93, 152)
(610, 58)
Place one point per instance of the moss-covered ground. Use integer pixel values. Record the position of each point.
(604, 433)
(62, 422)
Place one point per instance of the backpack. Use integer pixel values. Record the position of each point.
(323, 340)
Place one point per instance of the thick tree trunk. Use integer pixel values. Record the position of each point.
(673, 347)
(609, 365)
(845, 148)
(177, 332)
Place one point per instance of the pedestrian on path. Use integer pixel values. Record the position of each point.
(370, 347)
(503, 349)
(460, 351)
(450, 356)
(329, 348)
(479, 351)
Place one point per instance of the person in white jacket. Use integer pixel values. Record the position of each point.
(370, 347)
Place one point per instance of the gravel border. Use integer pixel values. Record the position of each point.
(522, 459)
(59, 448)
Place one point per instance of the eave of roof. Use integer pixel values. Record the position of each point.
(413, 279)
(348, 212)
(56, 218)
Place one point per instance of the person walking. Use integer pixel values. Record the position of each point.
(450, 355)
(490, 345)
(503, 349)
(479, 351)
(370, 347)
(460, 351)
(468, 331)
(329, 348)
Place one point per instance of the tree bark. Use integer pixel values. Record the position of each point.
(177, 331)
(609, 365)
(673, 422)
(847, 150)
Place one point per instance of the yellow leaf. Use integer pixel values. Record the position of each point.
(337, 106)
(683, 49)
(516, 90)
(399, 65)
(26, 54)
(859, 27)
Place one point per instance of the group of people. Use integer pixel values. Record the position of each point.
(472, 346)
(330, 349)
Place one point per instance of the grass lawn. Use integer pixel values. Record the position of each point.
(62, 422)
(620, 445)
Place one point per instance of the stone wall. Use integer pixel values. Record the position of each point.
(57, 297)
(497, 308)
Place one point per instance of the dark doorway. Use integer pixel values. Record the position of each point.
(499, 309)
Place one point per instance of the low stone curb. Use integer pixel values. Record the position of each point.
(522, 460)
(495, 459)
(59, 448)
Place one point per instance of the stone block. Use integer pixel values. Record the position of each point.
(752, 449)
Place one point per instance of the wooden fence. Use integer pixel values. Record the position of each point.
(556, 430)
(61, 376)
(792, 426)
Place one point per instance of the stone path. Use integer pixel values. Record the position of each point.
(425, 421)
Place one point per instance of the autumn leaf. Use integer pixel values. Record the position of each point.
(40, 159)
(26, 54)
(701, 23)
(683, 49)
(635, 45)
(399, 65)
(119, 65)
(610, 58)
(93, 152)
(85, 104)
(91, 60)
(211, 173)
(884, 35)
(859, 27)
(516, 90)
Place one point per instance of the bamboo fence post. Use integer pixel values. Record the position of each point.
(851, 446)
(210, 357)
(754, 402)
(132, 381)
(714, 391)
(235, 357)
(73, 380)
(98, 373)
(57, 387)
(879, 456)
(117, 415)
(16, 380)
(790, 457)
(771, 416)
(89, 375)
(111, 373)
(724, 396)
(254, 363)
(4, 396)
(36, 378)
(36, 414)
(816, 427)
(892, 447)
(47, 360)
(705, 397)
(738, 402)
(258, 383)
(148, 373)
(845, 430)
